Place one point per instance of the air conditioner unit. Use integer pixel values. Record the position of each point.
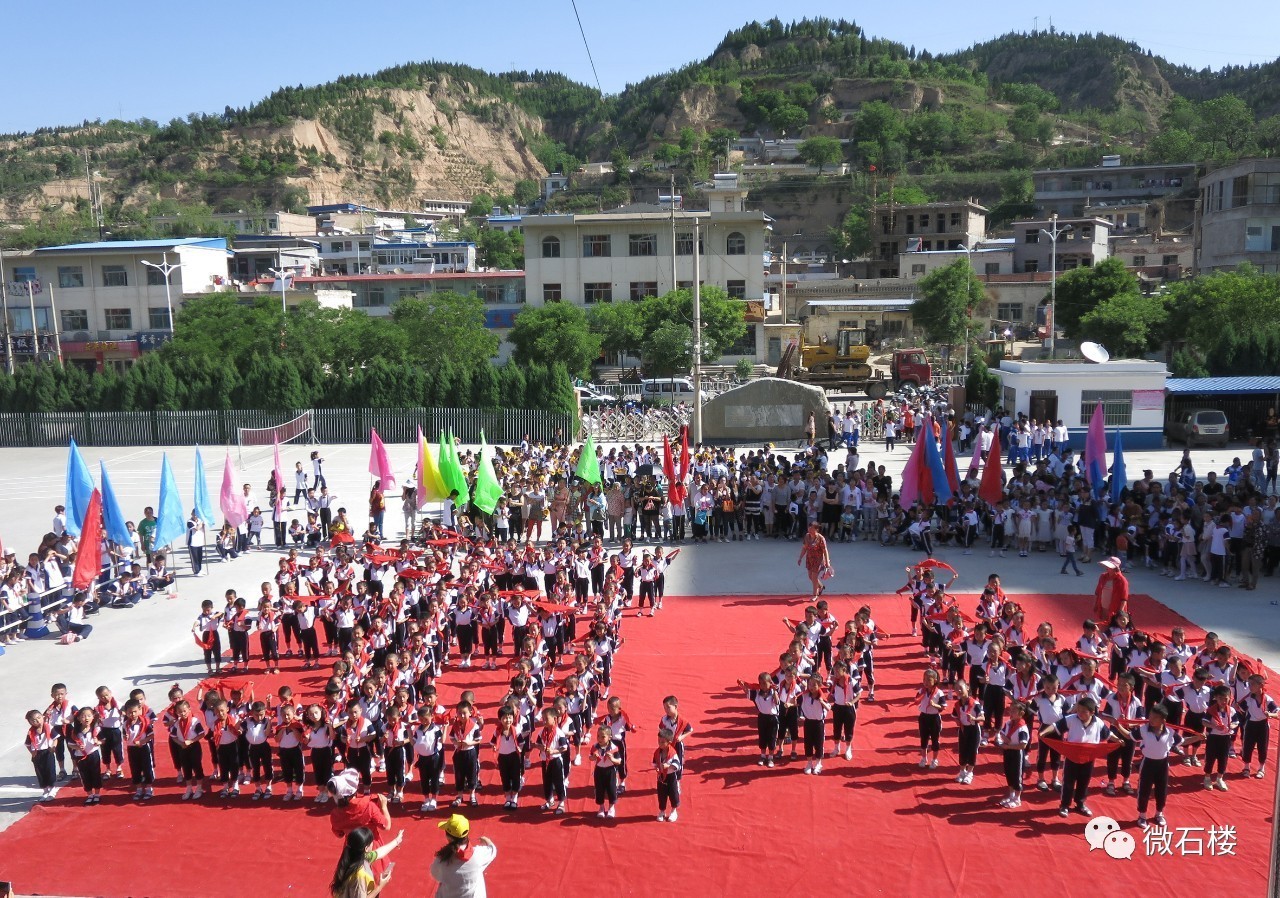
(80, 336)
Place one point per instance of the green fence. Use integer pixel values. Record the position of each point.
(328, 425)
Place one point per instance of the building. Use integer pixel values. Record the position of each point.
(919, 228)
(100, 302)
(1239, 217)
(1075, 192)
(1083, 243)
(1153, 258)
(254, 257)
(645, 250)
(1132, 392)
(275, 224)
(552, 184)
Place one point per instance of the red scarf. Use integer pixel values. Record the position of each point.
(47, 735)
(144, 729)
(185, 727)
(101, 710)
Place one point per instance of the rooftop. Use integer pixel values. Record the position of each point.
(1189, 166)
(1203, 386)
(407, 276)
(131, 246)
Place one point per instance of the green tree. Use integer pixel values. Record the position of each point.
(667, 349)
(445, 324)
(1084, 289)
(854, 237)
(619, 326)
(525, 192)
(486, 388)
(1226, 125)
(948, 298)
(723, 322)
(481, 205)
(621, 164)
(820, 151)
(1129, 324)
(514, 386)
(788, 118)
(1229, 320)
(556, 332)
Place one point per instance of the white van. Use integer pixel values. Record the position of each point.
(667, 391)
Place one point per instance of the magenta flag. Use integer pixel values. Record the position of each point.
(280, 487)
(231, 500)
(949, 459)
(1095, 452)
(379, 464)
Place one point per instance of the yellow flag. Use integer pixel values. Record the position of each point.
(430, 484)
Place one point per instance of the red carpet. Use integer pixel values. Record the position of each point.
(878, 821)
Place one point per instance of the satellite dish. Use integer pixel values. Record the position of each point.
(1095, 352)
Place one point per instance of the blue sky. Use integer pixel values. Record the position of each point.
(73, 60)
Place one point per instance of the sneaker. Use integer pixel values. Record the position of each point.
(600, 813)
(1064, 812)
(560, 811)
(933, 764)
(1180, 577)
(662, 818)
(761, 762)
(148, 792)
(1042, 786)
(817, 768)
(1083, 810)
(198, 794)
(848, 753)
(1261, 774)
(187, 795)
(1142, 821)
(923, 763)
(671, 818)
(424, 807)
(612, 812)
(577, 760)
(1160, 820)
(808, 768)
(768, 762)
(1016, 803)
(1110, 789)
(1222, 784)
(1208, 782)
(137, 796)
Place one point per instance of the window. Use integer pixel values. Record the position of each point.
(70, 276)
(74, 319)
(744, 345)
(643, 289)
(684, 244)
(955, 221)
(924, 221)
(597, 292)
(118, 319)
(335, 246)
(1009, 311)
(114, 276)
(917, 269)
(735, 244)
(154, 278)
(642, 245)
(1169, 260)
(736, 289)
(1031, 236)
(550, 247)
(364, 245)
(24, 274)
(1139, 261)
(551, 293)
(1239, 191)
(942, 223)
(1117, 406)
(991, 268)
(158, 318)
(1031, 266)
(595, 246)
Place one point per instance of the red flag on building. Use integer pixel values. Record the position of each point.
(89, 557)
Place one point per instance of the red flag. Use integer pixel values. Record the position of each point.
(991, 488)
(675, 488)
(949, 462)
(89, 558)
(684, 454)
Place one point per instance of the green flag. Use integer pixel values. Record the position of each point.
(488, 490)
(588, 465)
(451, 471)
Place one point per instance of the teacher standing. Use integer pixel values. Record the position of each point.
(459, 866)
(814, 556)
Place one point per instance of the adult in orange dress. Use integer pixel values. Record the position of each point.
(1112, 592)
(813, 555)
(351, 811)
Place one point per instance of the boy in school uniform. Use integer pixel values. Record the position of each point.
(40, 742)
(139, 743)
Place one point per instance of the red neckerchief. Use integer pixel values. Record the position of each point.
(144, 728)
(184, 728)
(221, 726)
(101, 709)
(47, 733)
(63, 708)
(87, 742)
(353, 734)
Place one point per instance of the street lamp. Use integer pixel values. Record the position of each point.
(1053, 233)
(968, 300)
(281, 274)
(165, 269)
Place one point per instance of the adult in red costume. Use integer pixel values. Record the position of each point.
(351, 811)
(1112, 592)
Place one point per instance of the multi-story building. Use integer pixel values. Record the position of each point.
(275, 224)
(645, 250)
(1154, 258)
(923, 227)
(99, 301)
(1081, 242)
(1077, 192)
(1239, 219)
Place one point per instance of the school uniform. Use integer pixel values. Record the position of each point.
(256, 733)
(1153, 772)
(553, 742)
(109, 719)
(358, 751)
(929, 717)
(767, 707)
(605, 772)
(139, 742)
(1118, 710)
(813, 711)
(396, 738)
(1076, 775)
(996, 675)
(968, 716)
(1048, 711)
(59, 717)
(1014, 736)
(1220, 730)
(428, 755)
(466, 758)
(226, 745)
(41, 743)
(87, 755)
(670, 768)
(319, 742)
(510, 751)
(1257, 730)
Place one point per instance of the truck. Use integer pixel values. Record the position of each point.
(844, 365)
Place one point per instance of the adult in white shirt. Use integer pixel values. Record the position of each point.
(459, 866)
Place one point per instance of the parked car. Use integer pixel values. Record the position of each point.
(1199, 427)
(590, 397)
(667, 391)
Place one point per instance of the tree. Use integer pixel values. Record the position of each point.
(820, 151)
(555, 332)
(444, 324)
(481, 205)
(621, 163)
(854, 236)
(1230, 321)
(525, 192)
(1084, 289)
(1130, 324)
(619, 326)
(788, 118)
(503, 250)
(948, 298)
(723, 321)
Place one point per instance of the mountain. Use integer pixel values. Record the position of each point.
(958, 124)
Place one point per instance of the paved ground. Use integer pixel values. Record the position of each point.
(150, 646)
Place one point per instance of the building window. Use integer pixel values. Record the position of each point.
(1139, 261)
(684, 244)
(158, 318)
(735, 244)
(1031, 266)
(744, 345)
(154, 278)
(1009, 311)
(924, 221)
(642, 245)
(1117, 407)
(114, 276)
(118, 319)
(1169, 260)
(335, 246)
(1031, 236)
(736, 289)
(70, 276)
(74, 319)
(917, 269)
(992, 268)
(911, 224)
(595, 246)
(551, 293)
(550, 247)
(955, 221)
(597, 292)
(643, 289)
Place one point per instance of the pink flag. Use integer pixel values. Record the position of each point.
(280, 488)
(915, 486)
(1095, 451)
(231, 499)
(379, 464)
(949, 459)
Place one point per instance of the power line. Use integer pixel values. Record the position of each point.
(590, 59)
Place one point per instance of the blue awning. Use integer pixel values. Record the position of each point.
(1222, 386)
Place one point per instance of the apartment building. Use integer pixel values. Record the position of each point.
(1079, 192)
(1239, 218)
(923, 227)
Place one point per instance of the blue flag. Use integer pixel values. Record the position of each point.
(171, 523)
(933, 463)
(1119, 476)
(79, 489)
(204, 508)
(117, 526)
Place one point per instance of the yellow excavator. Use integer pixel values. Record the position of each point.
(843, 365)
(845, 358)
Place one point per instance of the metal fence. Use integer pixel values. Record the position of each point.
(637, 426)
(329, 425)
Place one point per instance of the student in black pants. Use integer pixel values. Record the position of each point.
(1157, 740)
(1083, 727)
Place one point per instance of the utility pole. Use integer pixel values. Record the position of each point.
(697, 336)
(35, 330)
(1053, 232)
(4, 304)
(674, 282)
(782, 268)
(57, 329)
